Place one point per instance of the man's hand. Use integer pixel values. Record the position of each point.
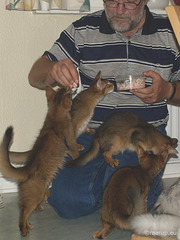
(157, 92)
(65, 73)
(48, 73)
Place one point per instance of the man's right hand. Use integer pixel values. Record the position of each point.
(65, 73)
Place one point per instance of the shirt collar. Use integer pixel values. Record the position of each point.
(149, 26)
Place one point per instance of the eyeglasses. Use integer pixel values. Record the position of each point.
(116, 3)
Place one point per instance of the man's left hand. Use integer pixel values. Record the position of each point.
(157, 92)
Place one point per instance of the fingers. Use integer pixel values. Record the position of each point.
(151, 94)
(151, 74)
(157, 92)
(65, 73)
(147, 95)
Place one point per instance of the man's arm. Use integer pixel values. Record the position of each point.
(48, 73)
(40, 73)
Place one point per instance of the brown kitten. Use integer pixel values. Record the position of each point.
(55, 140)
(126, 193)
(82, 110)
(123, 131)
(85, 102)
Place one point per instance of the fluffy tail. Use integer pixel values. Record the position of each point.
(86, 157)
(160, 225)
(7, 169)
(138, 206)
(139, 203)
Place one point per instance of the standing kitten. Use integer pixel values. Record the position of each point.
(85, 102)
(82, 110)
(123, 131)
(165, 219)
(55, 140)
(126, 193)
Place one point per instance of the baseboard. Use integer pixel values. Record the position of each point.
(172, 168)
(7, 186)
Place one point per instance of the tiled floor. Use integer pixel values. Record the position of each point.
(49, 226)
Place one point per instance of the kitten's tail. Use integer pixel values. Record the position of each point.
(160, 225)
(7, 169)
(86, 157)
(123, 219)
(139, 203)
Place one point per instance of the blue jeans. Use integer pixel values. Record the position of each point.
(77, 192)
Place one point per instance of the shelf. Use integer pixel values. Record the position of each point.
(59, 11)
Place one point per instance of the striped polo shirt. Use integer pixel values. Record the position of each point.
(93, 45)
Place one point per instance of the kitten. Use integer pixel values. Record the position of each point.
(123, 131)
(85, 102)
(165, 217)
(55, 140)
(82, 110)
(126, 193)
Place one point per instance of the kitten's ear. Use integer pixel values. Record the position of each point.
(167, 150)
(98, 76)
(97, 80)
(49, 93)
(173, 142)
(140, 151)
(67, 98)
(172, 150)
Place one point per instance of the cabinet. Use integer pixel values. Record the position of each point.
(173, 13)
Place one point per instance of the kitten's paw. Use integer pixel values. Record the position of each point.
(90, 131)
(47, 195)
(97, 235)
(24, 232)
(40, 207)
(29, 225)
(80, 147)
(114, 163)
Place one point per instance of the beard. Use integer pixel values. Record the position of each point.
(122, 23)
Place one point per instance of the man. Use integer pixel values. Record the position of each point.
(124, 39)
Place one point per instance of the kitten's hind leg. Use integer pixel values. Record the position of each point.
(106, 231)
(23, 220)
(27, 206)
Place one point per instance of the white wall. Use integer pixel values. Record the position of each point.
(23, 38)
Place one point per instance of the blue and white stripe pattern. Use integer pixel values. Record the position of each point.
(93, 45)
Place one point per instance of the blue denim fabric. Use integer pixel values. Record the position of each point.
(78, 191)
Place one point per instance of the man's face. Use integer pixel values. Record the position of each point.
(124, 20)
